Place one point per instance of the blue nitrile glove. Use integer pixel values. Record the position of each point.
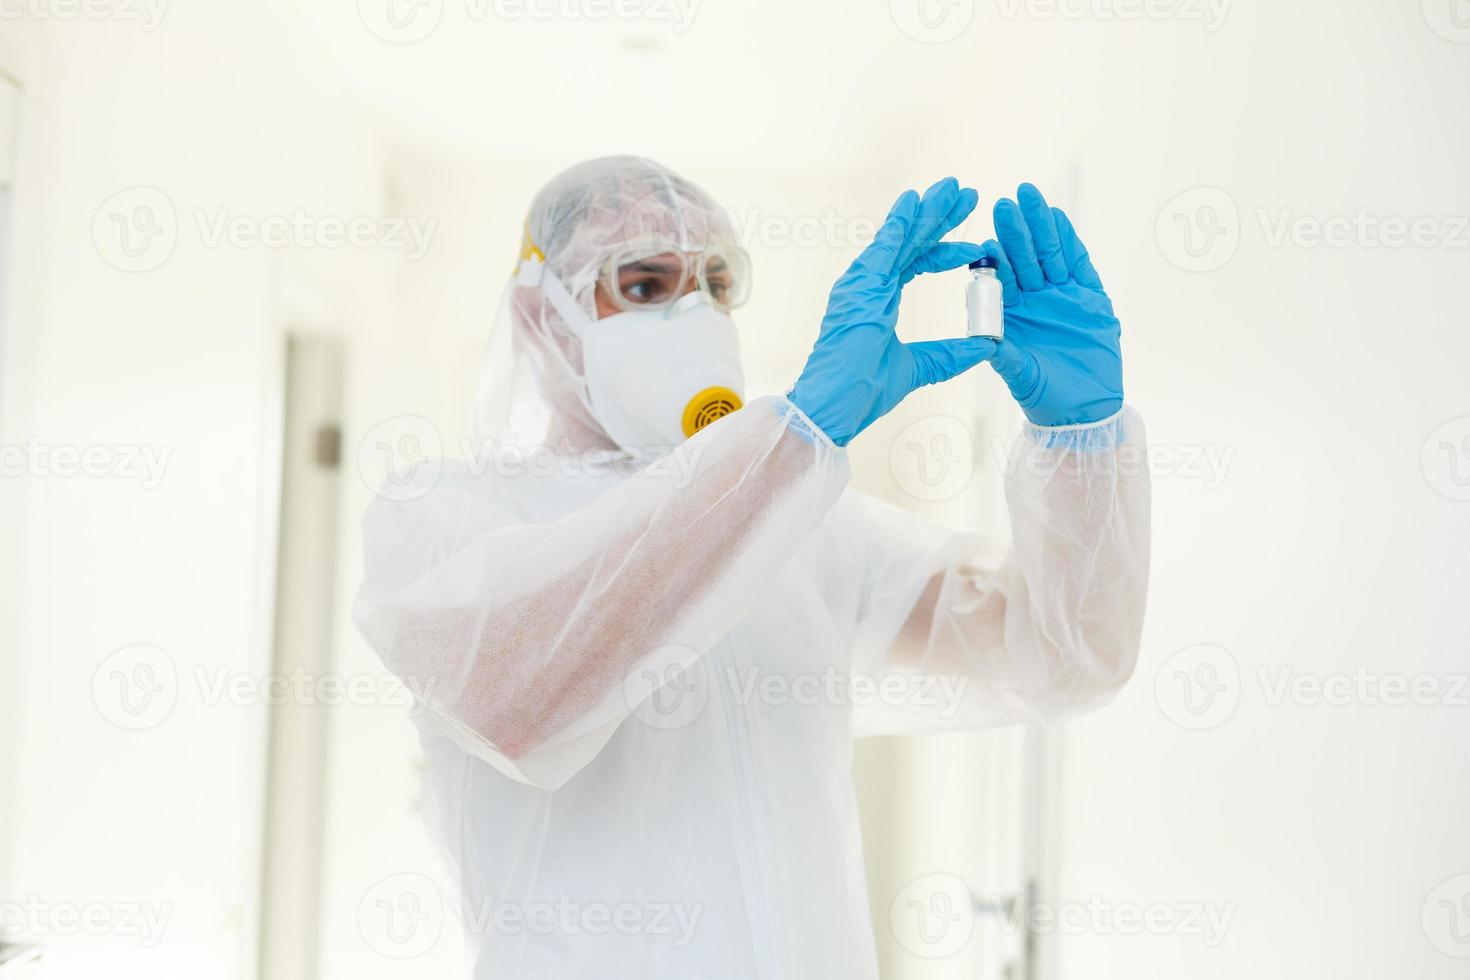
(1060, 356)
(858, 369)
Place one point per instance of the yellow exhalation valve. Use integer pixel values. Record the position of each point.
(710, 405)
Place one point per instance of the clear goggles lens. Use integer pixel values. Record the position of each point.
(655, 280)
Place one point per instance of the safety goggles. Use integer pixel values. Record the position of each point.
(652, 279)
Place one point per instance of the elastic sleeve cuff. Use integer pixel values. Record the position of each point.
(803, 426)
(1103, 436)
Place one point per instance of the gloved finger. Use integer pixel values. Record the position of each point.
(1010, 292)
(881, 257)
(1010, 228)
(963, 206)
(932, 253)
(1043, 228)
(929, 226)
(941, 258)
(940, 360)
(1076, 253)
(1017, 369)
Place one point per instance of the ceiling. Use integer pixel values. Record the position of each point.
(757, 83)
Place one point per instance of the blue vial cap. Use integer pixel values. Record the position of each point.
(984, 262)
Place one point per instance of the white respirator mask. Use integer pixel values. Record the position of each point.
(654, 377)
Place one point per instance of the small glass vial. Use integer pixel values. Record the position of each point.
(984, 316)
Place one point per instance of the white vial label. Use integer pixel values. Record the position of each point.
(984, 316)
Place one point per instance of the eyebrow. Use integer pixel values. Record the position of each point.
(651, 265)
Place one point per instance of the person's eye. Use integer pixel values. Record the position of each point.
(645, 289)
(718, 282)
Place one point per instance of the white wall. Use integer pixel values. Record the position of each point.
(1323, 830)
(9, 526)
(218, 107)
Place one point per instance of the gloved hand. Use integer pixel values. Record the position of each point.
(1061, 356)
(858, 369)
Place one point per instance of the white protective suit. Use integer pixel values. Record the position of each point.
(708, 830)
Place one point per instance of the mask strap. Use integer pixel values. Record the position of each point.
(533, 272)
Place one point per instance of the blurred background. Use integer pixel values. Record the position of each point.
(249, 255)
